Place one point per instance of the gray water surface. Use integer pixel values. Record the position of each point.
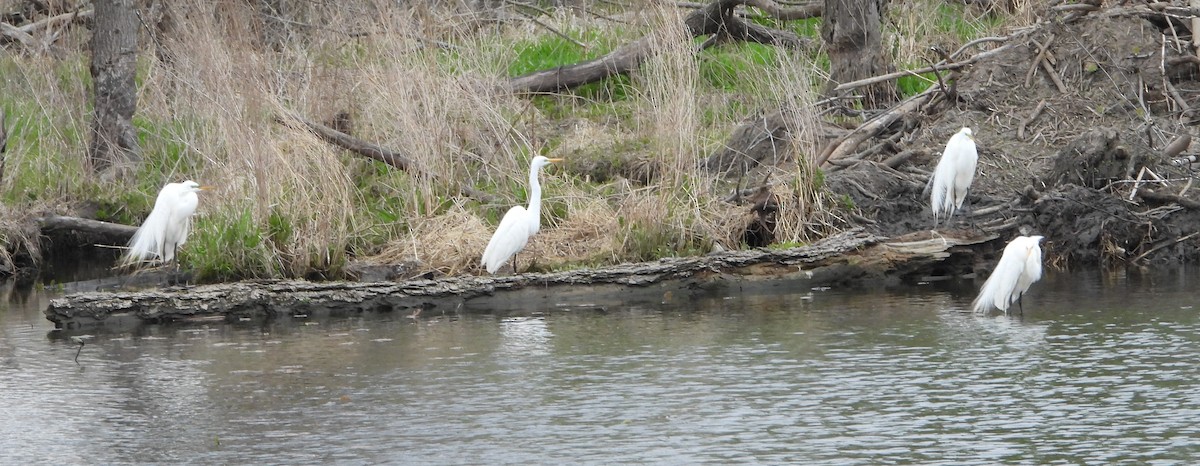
(1101, 369)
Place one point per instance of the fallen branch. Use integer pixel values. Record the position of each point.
(715, 18)
(848, 143)
(375, 152)
(1151, 195)
(355, 145)
(24, 34)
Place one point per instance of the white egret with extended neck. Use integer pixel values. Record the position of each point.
(518, 224)
(952, 178)
(1019, 267)
(166, 229)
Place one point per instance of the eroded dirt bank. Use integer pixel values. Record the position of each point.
(1086, 143)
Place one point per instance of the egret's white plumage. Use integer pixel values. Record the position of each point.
(518, 224)
(166, 229)
(954, 173)
(1019, 267)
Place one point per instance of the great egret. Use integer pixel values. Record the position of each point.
(166, 229)
(518, 223)
(1019, 267)
(952, 178)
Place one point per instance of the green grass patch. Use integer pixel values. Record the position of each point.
(952, 19)
(228, 246)
(912, 85)
(732, 66)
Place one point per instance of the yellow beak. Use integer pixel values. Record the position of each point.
(555, 160)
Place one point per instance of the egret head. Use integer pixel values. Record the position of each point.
(967, 132)
(540, 161)
(193, 186)
(1033, 243)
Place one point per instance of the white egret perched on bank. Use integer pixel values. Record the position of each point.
(518, 224)
(952, 178)
(166, 229)
(1019, 267)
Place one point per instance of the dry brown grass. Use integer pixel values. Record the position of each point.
(917, 25)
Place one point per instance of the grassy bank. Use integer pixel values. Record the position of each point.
(423, 82)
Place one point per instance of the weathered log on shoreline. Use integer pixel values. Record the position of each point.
(109, 233)
(850, 257)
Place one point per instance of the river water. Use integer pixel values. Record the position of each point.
(1101, 369)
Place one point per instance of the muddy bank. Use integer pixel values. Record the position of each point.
(1083, 126)
(853, 257)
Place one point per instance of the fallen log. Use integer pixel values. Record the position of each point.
(714, 18)
(104, 232)
(847, 257)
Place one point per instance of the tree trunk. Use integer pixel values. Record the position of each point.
(851, 31)
(114, 144)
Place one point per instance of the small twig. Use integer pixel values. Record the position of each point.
(546, 26)
(993, 209)
(900, 74)
(1037, 59)
(1027, 121)
(598, 15)
(1137, 183)
(1174, 93)
(1045, 62)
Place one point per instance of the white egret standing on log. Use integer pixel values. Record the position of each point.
(166, 229)
(952, 178)
(1019, 267)
(518, 225)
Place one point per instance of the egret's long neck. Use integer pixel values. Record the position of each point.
(535, 195)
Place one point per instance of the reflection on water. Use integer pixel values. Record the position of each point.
(1101, 369)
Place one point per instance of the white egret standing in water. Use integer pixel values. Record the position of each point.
(518, 225)
(166, 229)
(952, 178)
(1019, 267)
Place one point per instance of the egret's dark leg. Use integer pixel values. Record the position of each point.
(969, 209)
(1020, 306)
(514, 263)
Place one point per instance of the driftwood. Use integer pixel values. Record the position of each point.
(852, 255)
(715, 18)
